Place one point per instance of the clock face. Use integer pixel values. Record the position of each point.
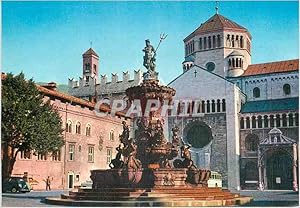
(210, 66)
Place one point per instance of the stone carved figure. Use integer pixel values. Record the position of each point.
(149, 57)
(124, 137)
(175, 136)
(187, 157)
(117, 163)
(168, 180)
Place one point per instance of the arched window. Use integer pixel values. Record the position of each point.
(266, 121)
(240, 62)
(233, 62)
(88, 130)
(247, 123)
(284, 120)
(78, 128)
(253, 119)
(229, 63)
(237, 62)
(242, 123)
(208, 107)
(200, 44)
(256, 92)
(223, 105)
(241, 42)
(205, 43)
(296, 119)
(111, 135)
(291, 120)
(209, 42)
(69, 126)
(213, 107)
(286, 89)
(251, 142)
(272, 121)
(232, 41)
(259, 122)
(214, 41)
(203, 106)
(218, 41)
(228, 40)
(218, 106)
(277, 120)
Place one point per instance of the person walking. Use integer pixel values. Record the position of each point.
(48, 183)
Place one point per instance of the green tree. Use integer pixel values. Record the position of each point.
(28, 123)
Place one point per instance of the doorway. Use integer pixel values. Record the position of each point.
(70, 180)
(279, 171)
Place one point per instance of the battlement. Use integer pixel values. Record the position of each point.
(87, 85)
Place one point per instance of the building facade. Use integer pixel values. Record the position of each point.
(90, 143)
(242, 108)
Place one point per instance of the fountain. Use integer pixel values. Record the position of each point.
(149, 170)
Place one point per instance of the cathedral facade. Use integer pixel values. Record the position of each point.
(248, 126)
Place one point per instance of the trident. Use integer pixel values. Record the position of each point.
(162, 37)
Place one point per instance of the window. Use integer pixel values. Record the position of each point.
(71, 152)
(296, 119)
(203, 106)
(223, 105)
(218, 106)
(87, 68)
(42, 156)
(213, 106)
(232, 41)
(214, 41)
(284, 120)
(56, 156)
(291, 120)
(205, 43)
(248, 123)
(218, 41)
(266, 122)
(259, 122)
(210, 66)
(88, 130)
(95, 67)
(253, 121)
(78, 128)
(241, 42)
(111, 135)
(69, 126)
(25, 155)
(108, 155)
(251, 142)
(91, 154)
(287, 89)
(208, 107)
(256, 92)
(272, 121)
(200, 44)
(277, 120)
(242, 123)
(209, 42)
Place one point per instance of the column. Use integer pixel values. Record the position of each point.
(260, 177)
(295, 182)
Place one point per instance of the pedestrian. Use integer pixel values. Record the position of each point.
(48, 183)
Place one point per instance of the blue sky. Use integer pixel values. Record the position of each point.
(46, 40)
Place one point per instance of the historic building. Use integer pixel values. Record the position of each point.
(89, 85)
(90, 143)
(239, 104)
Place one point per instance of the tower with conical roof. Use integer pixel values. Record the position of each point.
(90, 64)
(219, 45)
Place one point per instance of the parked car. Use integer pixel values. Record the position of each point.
(15, 184)
(86, 185)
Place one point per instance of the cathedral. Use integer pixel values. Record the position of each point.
(246, 127)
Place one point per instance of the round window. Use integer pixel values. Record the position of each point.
(199, 135)
(210, 66)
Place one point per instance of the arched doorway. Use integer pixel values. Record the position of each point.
(279, 170)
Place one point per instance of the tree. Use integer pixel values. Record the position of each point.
(28, 123)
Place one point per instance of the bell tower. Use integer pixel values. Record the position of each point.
(90, 64)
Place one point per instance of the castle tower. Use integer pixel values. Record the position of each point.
(90, 64)
(219, 45)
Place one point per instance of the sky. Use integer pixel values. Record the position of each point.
(46, 40)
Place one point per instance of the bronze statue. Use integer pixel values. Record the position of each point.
(117, 162)
(175, 136)
(149, 57)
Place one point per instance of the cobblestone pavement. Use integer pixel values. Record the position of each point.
(272, 198)
(261, 198)
(31, 199)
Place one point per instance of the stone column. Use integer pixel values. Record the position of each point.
(260, 176)
(295, 182)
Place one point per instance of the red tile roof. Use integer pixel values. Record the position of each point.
(90, 52)
(272, 67)
(216, 23)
